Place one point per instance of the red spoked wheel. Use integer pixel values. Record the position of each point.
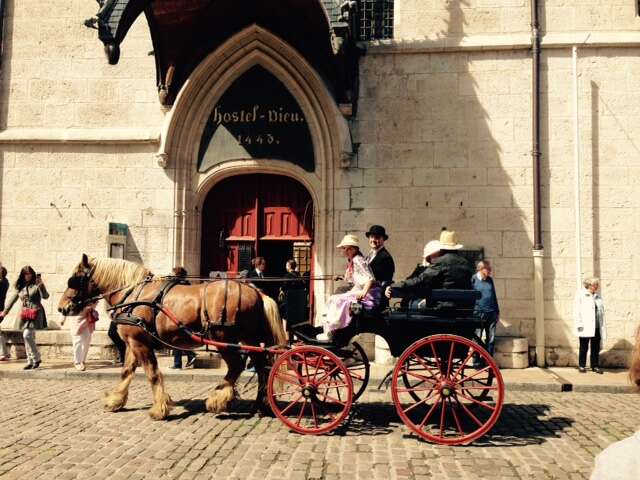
(440, 396)
(310, 390)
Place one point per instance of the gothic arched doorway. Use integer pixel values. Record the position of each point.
(257, 215)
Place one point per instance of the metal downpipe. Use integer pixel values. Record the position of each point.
(538, 249)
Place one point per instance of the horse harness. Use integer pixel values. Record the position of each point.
(127, 317)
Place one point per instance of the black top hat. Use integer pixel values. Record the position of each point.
(377, 230)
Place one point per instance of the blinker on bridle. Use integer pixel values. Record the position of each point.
(80, 285)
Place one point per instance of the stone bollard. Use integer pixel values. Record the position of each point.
(511, 352)
(383, 354)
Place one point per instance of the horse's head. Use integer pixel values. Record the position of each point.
(80, 288)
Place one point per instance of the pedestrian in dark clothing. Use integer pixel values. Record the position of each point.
(487, 305)
(447, 270)
(181, 273)
(121, 347)
(4, 288)
(293, 281)
(379, 259)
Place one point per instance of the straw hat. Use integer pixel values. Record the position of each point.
(349, 241)
(430, 248)
(449, 241)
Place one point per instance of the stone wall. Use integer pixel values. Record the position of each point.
(435, 19)
(55, 78)
(445, 141)
(55, 74)
(609, 104)
(588, 16)
(456, 20)
(45, 224)
(445, 138)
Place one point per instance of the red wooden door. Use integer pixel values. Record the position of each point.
(242, 215)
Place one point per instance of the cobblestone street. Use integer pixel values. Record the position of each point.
(56, 429)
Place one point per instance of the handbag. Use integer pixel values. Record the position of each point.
(28, 314)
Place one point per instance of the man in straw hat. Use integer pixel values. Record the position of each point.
(446, 269)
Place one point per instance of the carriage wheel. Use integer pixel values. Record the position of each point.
(310, 390)
(355, 359)
(438, 394)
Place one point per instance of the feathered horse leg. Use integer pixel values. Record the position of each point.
(162, 402)
(225, 391)
(117, 399)
(279, 337)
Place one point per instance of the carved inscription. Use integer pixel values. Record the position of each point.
(256, 118)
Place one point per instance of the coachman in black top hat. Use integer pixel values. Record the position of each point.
(379, 259)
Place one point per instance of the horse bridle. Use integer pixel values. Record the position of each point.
(81, 298)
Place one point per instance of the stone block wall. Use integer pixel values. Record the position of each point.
(445, 141)
(588, 16)
(610, 215)
(45, 224)
(55, 74)
(457, 21)
(436, 19)
(444, 133)
(55, 78)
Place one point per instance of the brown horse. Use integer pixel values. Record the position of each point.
(225, 310)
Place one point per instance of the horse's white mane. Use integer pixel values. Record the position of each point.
(115, 273)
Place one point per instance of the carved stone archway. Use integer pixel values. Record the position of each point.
(185, 122)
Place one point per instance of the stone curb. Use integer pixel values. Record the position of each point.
(555, 385)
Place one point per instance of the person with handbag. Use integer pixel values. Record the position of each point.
(30, 290)
(81, 327)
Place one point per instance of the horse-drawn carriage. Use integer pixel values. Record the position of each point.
(445, 386)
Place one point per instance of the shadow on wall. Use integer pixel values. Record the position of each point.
(445, 141)
(602, 240)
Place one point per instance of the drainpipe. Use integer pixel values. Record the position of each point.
(538, 249)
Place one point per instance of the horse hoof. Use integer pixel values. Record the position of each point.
(214, 405)
(221, 399)
(161, 410)
(114, 402)
(159, 413)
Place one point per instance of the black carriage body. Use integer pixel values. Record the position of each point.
(401, 327)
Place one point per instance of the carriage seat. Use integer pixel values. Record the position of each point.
(449, 303)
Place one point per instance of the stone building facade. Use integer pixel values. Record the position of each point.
(441, 137)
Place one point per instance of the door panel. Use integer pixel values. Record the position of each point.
(242, 214)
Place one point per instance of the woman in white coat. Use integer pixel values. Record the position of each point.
(589, 324)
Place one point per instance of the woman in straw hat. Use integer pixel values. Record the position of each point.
(365, 289)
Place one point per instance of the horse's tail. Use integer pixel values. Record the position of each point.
(273, 319)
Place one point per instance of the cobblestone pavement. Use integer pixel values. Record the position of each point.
(56, 429)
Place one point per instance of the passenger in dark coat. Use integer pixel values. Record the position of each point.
(379, 259)
(447, 270)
